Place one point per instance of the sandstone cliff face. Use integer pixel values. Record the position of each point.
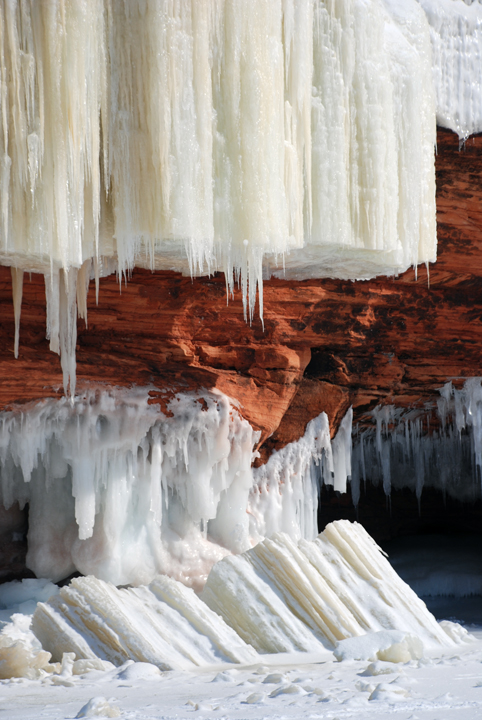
(326, 344)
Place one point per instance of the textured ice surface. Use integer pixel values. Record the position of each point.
(281, 596)
(164, 624)
(212, 136)
(119, 490)
(284, 596)
(456, 34)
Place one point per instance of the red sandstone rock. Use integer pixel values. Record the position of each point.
(326, 343)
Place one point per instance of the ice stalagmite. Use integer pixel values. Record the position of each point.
(250, 137)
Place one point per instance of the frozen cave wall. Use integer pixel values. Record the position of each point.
(313, 345)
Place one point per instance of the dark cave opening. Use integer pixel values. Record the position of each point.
(434, 545)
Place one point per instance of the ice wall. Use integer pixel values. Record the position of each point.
(403, 450)
(456, 34)
(122, 491)
(217, 135)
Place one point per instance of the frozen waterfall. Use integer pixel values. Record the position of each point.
(255, 137)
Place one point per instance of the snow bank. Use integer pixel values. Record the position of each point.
(284, 596)
(119, 490)
(404, 451)
(212, 136)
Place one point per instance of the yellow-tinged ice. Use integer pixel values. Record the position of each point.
(250, 137)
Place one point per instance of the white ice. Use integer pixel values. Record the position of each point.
(402, 450)
(251, 138)
(456, 34)
(118, 489)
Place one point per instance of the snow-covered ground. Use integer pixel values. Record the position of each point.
(441, 685)
(447, 687)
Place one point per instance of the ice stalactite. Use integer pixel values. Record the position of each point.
(250, 138)
(403, 450)
(456, 33)
(119, 490)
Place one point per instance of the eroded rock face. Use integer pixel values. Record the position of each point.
(326, 344)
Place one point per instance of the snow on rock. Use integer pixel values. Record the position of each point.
(164, 624)
(456, 34)
(284, 595)
(204, 137)
(122, 491)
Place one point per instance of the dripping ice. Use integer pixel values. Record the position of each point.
(220, 151)
(110, 479)
(403, 450)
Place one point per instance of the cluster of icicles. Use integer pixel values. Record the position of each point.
(250, 137)
(118, 490)
(402, 450)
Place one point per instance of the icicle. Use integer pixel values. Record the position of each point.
(52, 293)
(68, 328)
(17, 290)
(83, 281)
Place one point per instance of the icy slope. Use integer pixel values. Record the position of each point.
(338, 586)
(164, 624)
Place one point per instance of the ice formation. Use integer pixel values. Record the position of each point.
(456, 34)
(402, 450)
(118, 489)
(212, 136)
(165, 624)
(283, 596)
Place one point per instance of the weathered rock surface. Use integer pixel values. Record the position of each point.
(326, 344)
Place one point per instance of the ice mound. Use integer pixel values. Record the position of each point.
(284, 595)
(164, 624)
(336, 592)
(392, 646)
